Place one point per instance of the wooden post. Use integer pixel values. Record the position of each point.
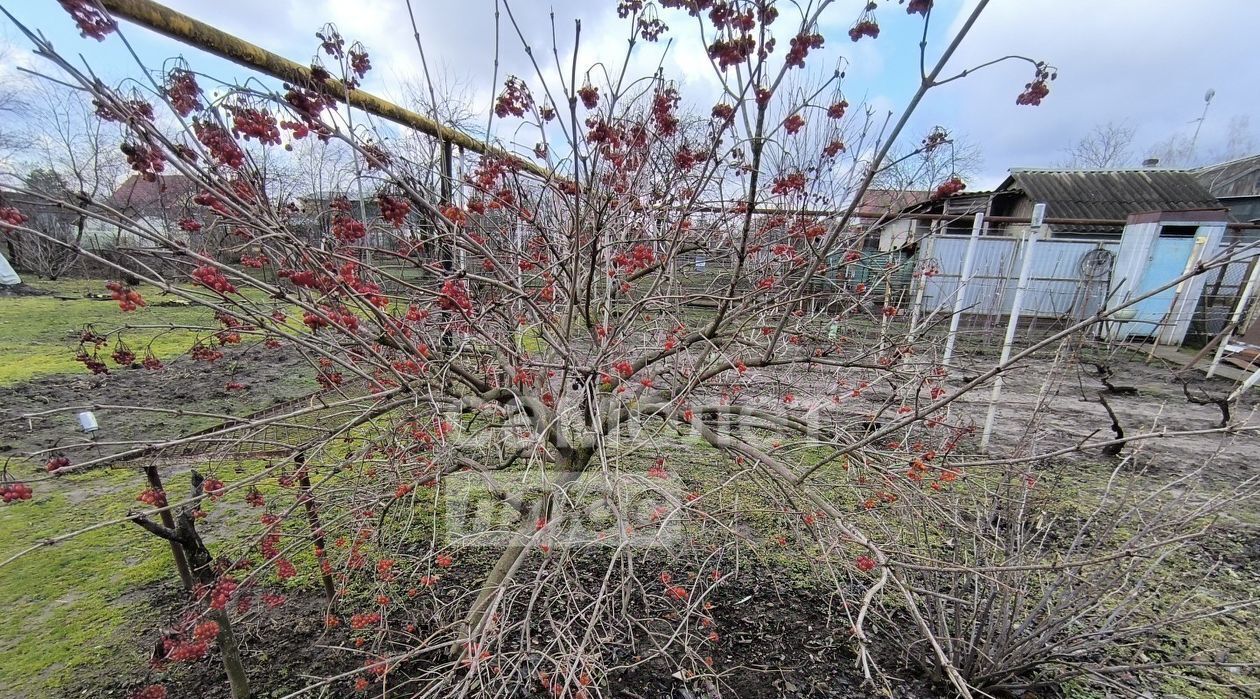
(317, 530)
(168, 520)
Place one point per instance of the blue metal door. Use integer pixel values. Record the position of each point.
(1166, 263)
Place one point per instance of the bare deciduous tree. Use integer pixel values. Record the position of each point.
(1107, 146)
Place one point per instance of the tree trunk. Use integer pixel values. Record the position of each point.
(570, 469)
(231, 655)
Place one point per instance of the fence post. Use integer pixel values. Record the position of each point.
(168, 521)
(916, 307)
(1236, 317)
(964, 279)
(1025, 270)
(317, 530)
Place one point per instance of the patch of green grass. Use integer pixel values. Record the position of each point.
(39, 334)
(65, 604)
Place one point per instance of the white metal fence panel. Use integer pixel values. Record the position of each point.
(1057, 287)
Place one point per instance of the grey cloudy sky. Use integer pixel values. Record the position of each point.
(1145, 63)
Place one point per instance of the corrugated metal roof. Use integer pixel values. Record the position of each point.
(1111, 194)
(1218, 178)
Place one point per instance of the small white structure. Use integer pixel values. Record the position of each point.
(1155, 249)
(8, 277)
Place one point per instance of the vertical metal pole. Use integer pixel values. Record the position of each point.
(1236, 317)
(1017, 303)
(447, 251)
(168, 521)
(916, 309)
(964, 280)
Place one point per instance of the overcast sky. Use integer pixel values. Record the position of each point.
(1145, 63)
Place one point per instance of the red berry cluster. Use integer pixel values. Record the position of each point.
(327, 378)
(92, 362)
(250, 122)
(222, 592)
(223, 148)
(11, 217)
(677, 592)
(376, 156)
(91, 20)
(867, 27)
(189, 225)
(128, 299)
(791, 182)
(731, 52)
(144, 158)
(57, 461)
(125, 111)
(515, 98)
(348, 229)
(152, 497)
(918, 7)
(151, 362)
(625, 8)
(123, 356)
(837, 109)
(801, 45)
(794, 123)
(454, 296)
(253, 261)
(285, 569)
(685, 158)
(181, 649)
(935, 139)
(363, 620)
(589, 95)
(663, 104)
(14, 492)
(641, 257)
(865, 564)
(254, 498)
(1036, 91)
(183, 92)
(213, 487)
(205, 353)
(209, 200)
(307, 278)
(360, 63)
(651, 28)
(213, 279)
(153, 691)
(949, 188)
(331, 42)
(833, 149)
(723, 111)
(309, 103)
(206, 631)
(394, 209)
